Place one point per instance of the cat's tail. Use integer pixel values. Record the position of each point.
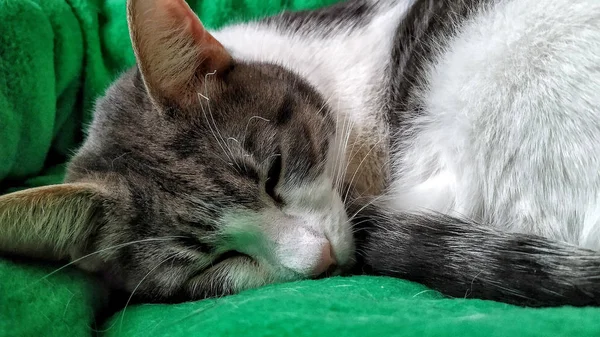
(464, 259)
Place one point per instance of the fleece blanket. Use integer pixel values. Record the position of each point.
(56, 57)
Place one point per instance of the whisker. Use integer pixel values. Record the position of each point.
(137, 286)
(269, 157)
(332, 169)
(213, 118)
(167, 238)
(385, 193)
(248, 124)
(359, 165)
(245, 135)
(348, 135)
(342, 138)
(343, 144)
(211, 114)
(212, 130)
(210, 126)
(371, 202)
(335, 140)
(342, 173)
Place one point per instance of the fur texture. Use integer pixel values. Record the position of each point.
(457, 139)
(513, 151)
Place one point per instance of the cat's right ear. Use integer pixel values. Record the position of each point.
(52, 222)
(174, 51)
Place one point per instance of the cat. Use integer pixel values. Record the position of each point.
(451, 143)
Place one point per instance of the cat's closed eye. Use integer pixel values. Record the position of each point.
(229, 255)
(273, 177)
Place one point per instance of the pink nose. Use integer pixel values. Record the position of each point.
(326, 260)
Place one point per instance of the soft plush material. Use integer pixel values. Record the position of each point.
(56, 57)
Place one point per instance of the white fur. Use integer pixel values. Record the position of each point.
(341, 67)
(511, 134)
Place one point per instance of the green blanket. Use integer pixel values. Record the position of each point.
(56, 56)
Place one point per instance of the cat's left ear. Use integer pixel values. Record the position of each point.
(174, 51)
(51, 222)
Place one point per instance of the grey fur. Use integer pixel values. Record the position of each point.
(464, 259)
(418, 40)
(327, 21)
(170, 177)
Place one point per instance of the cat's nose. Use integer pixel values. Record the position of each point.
(326, 262)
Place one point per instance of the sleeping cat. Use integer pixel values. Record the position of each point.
(453, 143)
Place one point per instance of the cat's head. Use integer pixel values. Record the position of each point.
(201, 175)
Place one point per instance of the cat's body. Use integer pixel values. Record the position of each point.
(480, 116)
(508, 129)
(462, 134)
(482, 110)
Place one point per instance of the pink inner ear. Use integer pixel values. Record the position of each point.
(213, 53)
(180, 11)
(173, 49)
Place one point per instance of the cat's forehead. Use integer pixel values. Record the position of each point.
(256, 112)
(255, 101)
(248, 90)
(262, 89)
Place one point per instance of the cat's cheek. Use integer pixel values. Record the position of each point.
(249, 276)
(289, 247)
